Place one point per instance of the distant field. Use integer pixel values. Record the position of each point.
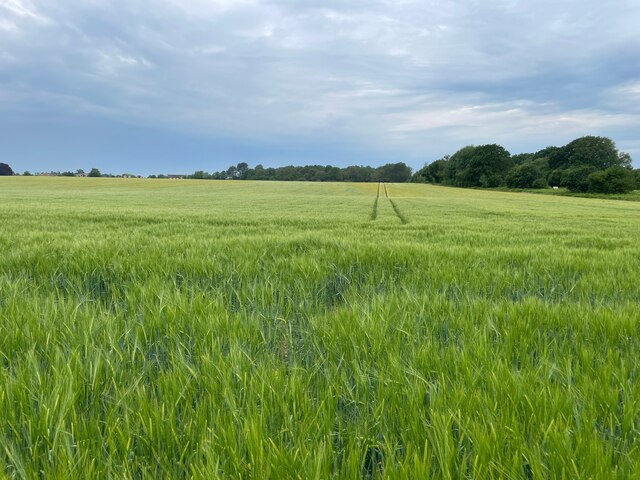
(216, 329)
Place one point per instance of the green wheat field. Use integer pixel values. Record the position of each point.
(218, 329)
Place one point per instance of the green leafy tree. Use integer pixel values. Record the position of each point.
(286, 174)
(394, 173)
(624, 160)
(521, 158)
(357, 173)
(555, 177)
(612, 180)
(242, 170)
(332, 174)
(199, 175)
(598, 152)
(576, 179)
(523, 176)
(259, 173)
(539, 183)
(546, 152)
(488, 166)
(457, 165)
(435, 172)
(232, 173)
(94, 172)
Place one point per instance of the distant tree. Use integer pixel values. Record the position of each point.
(242, 170)
(559, 158)
(435, 172)
(68, 174)
(5, 170)
(26, 173)
(576, 179)
(80, 172)
(332, 174)
(311, 173)
(419, 175)
(523, 176)
(394, 173)
(357, 173)
(232, 173)
(200, 174)
(457, 165)
(598, 152)
(545, 152)
(487, 166)
(612, 180)
(539, 183)
(94, 173)
(554, 178)
(258, 173)
(287, 174)
(521, 158)
(636, 175)
(624, 160)
(540, 162)
(270, 173)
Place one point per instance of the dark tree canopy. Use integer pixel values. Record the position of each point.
(94, 173)
(546, 152)
(394, 172)
(576, 178)
(457, 165)
(612, 180)
(598, 152)
(5, 169)
(485, 166)
(435, 172)
(391, 172)
(358, 173)
(489, 166)
(525, 176)
(482, 166)
(573, 166)
(521, 158)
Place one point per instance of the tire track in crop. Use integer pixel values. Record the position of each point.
(374, 212)
(397, 211)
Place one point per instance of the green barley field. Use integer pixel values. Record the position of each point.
(216, 329)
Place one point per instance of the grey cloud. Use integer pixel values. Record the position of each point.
(410, 77)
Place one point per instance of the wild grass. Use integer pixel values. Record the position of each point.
(185, 329)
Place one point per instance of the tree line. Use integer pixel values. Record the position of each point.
(587, 164)
(391, 172)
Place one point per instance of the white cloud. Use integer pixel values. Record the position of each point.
(24, 9)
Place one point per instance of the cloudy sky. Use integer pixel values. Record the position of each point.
(174, 86)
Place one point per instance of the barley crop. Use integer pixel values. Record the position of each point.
(201, 329)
